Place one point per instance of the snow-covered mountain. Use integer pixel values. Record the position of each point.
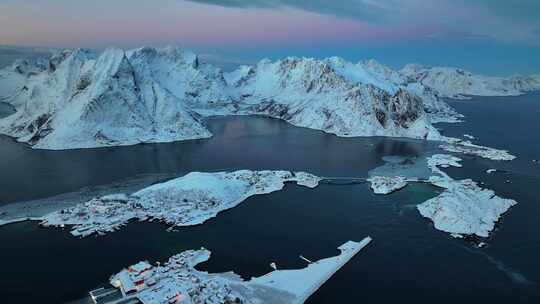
(14, 77)
(330, 95)
(81, 99)
(384, 77)
(455, 83)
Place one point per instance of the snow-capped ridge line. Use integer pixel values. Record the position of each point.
(81, 99)
(459, 83)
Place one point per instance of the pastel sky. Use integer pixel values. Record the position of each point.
(487, 36)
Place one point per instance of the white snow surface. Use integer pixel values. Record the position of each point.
(466, 147)
(188, 200)
(14, 78)
(318, 94)
(178, 279)
(81, 99)
(442, 160)
(457, 83)
(304, 282)
(463, 208)
(386, 184)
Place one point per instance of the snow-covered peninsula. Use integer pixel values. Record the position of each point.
(188, 200)
(177, 280)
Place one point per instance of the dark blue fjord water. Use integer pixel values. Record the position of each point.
(407, 261)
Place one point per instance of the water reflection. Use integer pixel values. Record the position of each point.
(238, 143)
(408, 257)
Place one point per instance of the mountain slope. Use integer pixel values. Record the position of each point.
(84, 102)
(80, 99)
(383, 77)
(310, 93)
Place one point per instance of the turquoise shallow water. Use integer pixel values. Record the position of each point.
(408, 259)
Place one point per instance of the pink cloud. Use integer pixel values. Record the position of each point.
(102, 23)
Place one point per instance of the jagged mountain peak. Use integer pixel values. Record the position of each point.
(301, 75)
(174, 55)
(69, 55)
(332, 95)
(88, 101)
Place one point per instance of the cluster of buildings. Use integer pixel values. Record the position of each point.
(188, 200)
(175, 282)
(178, 282)
(99, 215)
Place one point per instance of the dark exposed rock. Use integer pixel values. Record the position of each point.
(83, 83)
(381, 117)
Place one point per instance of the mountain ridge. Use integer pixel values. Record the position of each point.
(82, 99)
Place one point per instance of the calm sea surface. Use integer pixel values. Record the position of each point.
(407, 261)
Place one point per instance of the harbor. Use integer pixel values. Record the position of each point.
(177, 281)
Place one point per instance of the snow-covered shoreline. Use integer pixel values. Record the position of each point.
(462, 209)
(20, 219)
(68, 100)
(35, 210)
(178, 279)
(386, 184)
(466, 147)
(465, 209)
(188, 200)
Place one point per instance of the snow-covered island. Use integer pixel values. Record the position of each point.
(177, 280)
(84, 99)
(386, 184)
(463, 208)
(188, 200)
